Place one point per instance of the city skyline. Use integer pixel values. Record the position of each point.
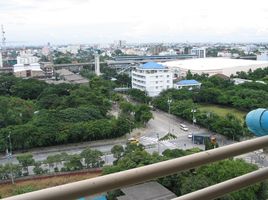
(91, 21)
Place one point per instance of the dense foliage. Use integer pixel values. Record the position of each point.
(191, 180)
(215, 90)
(36, 114)
(258, 74)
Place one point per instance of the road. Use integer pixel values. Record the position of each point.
(159, 126)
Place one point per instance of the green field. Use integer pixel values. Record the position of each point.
(222, 110)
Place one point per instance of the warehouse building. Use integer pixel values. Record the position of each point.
(213, 66)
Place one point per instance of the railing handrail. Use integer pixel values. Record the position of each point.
(220, 189)
(133, 176)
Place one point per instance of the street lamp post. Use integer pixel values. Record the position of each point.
(9, 156)
(194, 120)
(158, 147)
(169, 101)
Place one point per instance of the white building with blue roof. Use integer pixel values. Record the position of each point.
(190, 84)
(152, 77)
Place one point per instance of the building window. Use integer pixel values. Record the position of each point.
(167, 81)
(167, 76)
(156, 87)
(156, 77)
(156, 82)
(168, 86)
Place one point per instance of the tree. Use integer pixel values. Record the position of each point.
(26, 160)
(38, 168)
(143, 113)
(117, 151)
(92, 158)
(73, 163)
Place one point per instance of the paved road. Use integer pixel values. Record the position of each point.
(157, 127)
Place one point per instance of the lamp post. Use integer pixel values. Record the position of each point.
(194, 120)
(9, 156)
(169, 101)
(158, 147)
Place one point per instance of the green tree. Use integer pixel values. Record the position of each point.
(73, 163)
(26, 160)
(117, 151)
(92, 158)
(38, 168)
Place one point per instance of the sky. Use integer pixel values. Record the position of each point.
(104, 21)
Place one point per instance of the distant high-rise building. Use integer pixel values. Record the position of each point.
(157, 49)
(199, 52)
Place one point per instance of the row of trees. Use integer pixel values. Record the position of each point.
(188, 181)
(88, 158)
(257, 74)
(216, 90)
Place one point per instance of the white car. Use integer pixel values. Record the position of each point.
(183, 127)
(190, 136)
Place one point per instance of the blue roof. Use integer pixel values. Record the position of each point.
(152, 65)
(100, 198)
(187, 82)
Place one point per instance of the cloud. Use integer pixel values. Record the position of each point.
(139, 20)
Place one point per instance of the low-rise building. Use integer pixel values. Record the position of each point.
(28, 70)
(238, 81)
(27, 59)
(146, 191)
(189, 84)
(152, 77)
(70, 77)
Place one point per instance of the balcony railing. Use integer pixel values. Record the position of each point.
(138, 175)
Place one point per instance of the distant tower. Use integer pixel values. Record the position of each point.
(97, 64)
(3, 49)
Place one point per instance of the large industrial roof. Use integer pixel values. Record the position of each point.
(212, 63)
(152, 65)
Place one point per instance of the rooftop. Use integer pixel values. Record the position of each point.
(146, 191)
(212, 63)
(152, 65)
(188, 82)
(25, 67)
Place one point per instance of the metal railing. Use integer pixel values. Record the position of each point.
(109, 182)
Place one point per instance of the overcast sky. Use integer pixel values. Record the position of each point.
(101, 21)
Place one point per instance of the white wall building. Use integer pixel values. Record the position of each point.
(199, 52)
(27, 59)
(212, 66)
(263, 56)
(152, 78)
(28, 70)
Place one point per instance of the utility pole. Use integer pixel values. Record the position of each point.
(169, 101)
(158, 147)
(194, 120)
(9, 156)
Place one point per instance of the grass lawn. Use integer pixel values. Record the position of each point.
(9, 189)
(222, 110)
